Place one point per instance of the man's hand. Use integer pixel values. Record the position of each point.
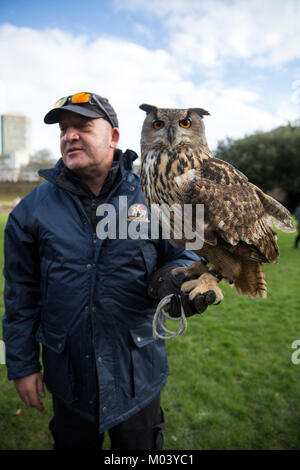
(31, 389)
(164, 282)
(190, 307)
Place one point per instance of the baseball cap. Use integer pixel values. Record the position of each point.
(84, 103)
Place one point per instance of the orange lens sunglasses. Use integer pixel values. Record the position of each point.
(82, 97)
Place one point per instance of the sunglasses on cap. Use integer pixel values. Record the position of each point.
(82, 98)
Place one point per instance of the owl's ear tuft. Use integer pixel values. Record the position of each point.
(200, 111)
(148, 108)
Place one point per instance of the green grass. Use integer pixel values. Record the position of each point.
(232, 382)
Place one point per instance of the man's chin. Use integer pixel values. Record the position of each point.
(75, 163)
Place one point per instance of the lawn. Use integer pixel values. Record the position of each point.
(232, 382)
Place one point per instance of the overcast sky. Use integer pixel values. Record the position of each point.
(239, 59)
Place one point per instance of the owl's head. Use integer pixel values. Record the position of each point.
(171, 127)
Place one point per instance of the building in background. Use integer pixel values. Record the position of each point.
(15, 133)
(15, 145)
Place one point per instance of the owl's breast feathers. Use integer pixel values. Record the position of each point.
(161, 166)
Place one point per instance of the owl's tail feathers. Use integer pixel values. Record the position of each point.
(251, 281)
(284, 226)
(267, 243)
(281, 216)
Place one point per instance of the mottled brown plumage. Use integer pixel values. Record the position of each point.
(178, 168)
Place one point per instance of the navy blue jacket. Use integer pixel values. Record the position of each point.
(85, 300)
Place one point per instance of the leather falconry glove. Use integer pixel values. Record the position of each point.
(163, 283)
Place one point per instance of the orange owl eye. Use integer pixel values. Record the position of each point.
(186, 123)
(158, 124)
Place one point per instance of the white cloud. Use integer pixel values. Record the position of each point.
(41, 66)
(143, 31)
(209, 32)
(38, 67)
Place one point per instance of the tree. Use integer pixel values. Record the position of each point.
(43, 156)
(39, 160)
(269, 160)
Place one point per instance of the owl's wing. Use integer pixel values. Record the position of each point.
(234, 209)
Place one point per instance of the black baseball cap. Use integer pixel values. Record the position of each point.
(84, 103)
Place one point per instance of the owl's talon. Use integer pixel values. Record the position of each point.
(210, 297)
(200, 303)
(206, 284)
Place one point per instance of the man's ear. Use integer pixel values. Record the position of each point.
(115, 137)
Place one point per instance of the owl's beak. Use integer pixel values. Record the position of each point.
(170, 134)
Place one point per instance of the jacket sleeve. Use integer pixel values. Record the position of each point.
(22, 300)
(171, 256)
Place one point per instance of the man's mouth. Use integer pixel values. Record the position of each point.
(73, 150)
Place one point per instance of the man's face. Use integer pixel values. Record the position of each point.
(87, 145)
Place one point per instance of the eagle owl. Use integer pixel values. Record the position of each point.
(178, 168)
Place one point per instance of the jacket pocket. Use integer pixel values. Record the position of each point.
(148, 359)
(57, 376)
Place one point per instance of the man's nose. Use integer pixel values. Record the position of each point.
(71, 133)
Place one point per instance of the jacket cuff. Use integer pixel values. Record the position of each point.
(13, 374)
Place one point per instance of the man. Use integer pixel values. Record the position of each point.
(297, 217)
(85, 297)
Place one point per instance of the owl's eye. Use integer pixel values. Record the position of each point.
(185, 123)
(158, 124)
